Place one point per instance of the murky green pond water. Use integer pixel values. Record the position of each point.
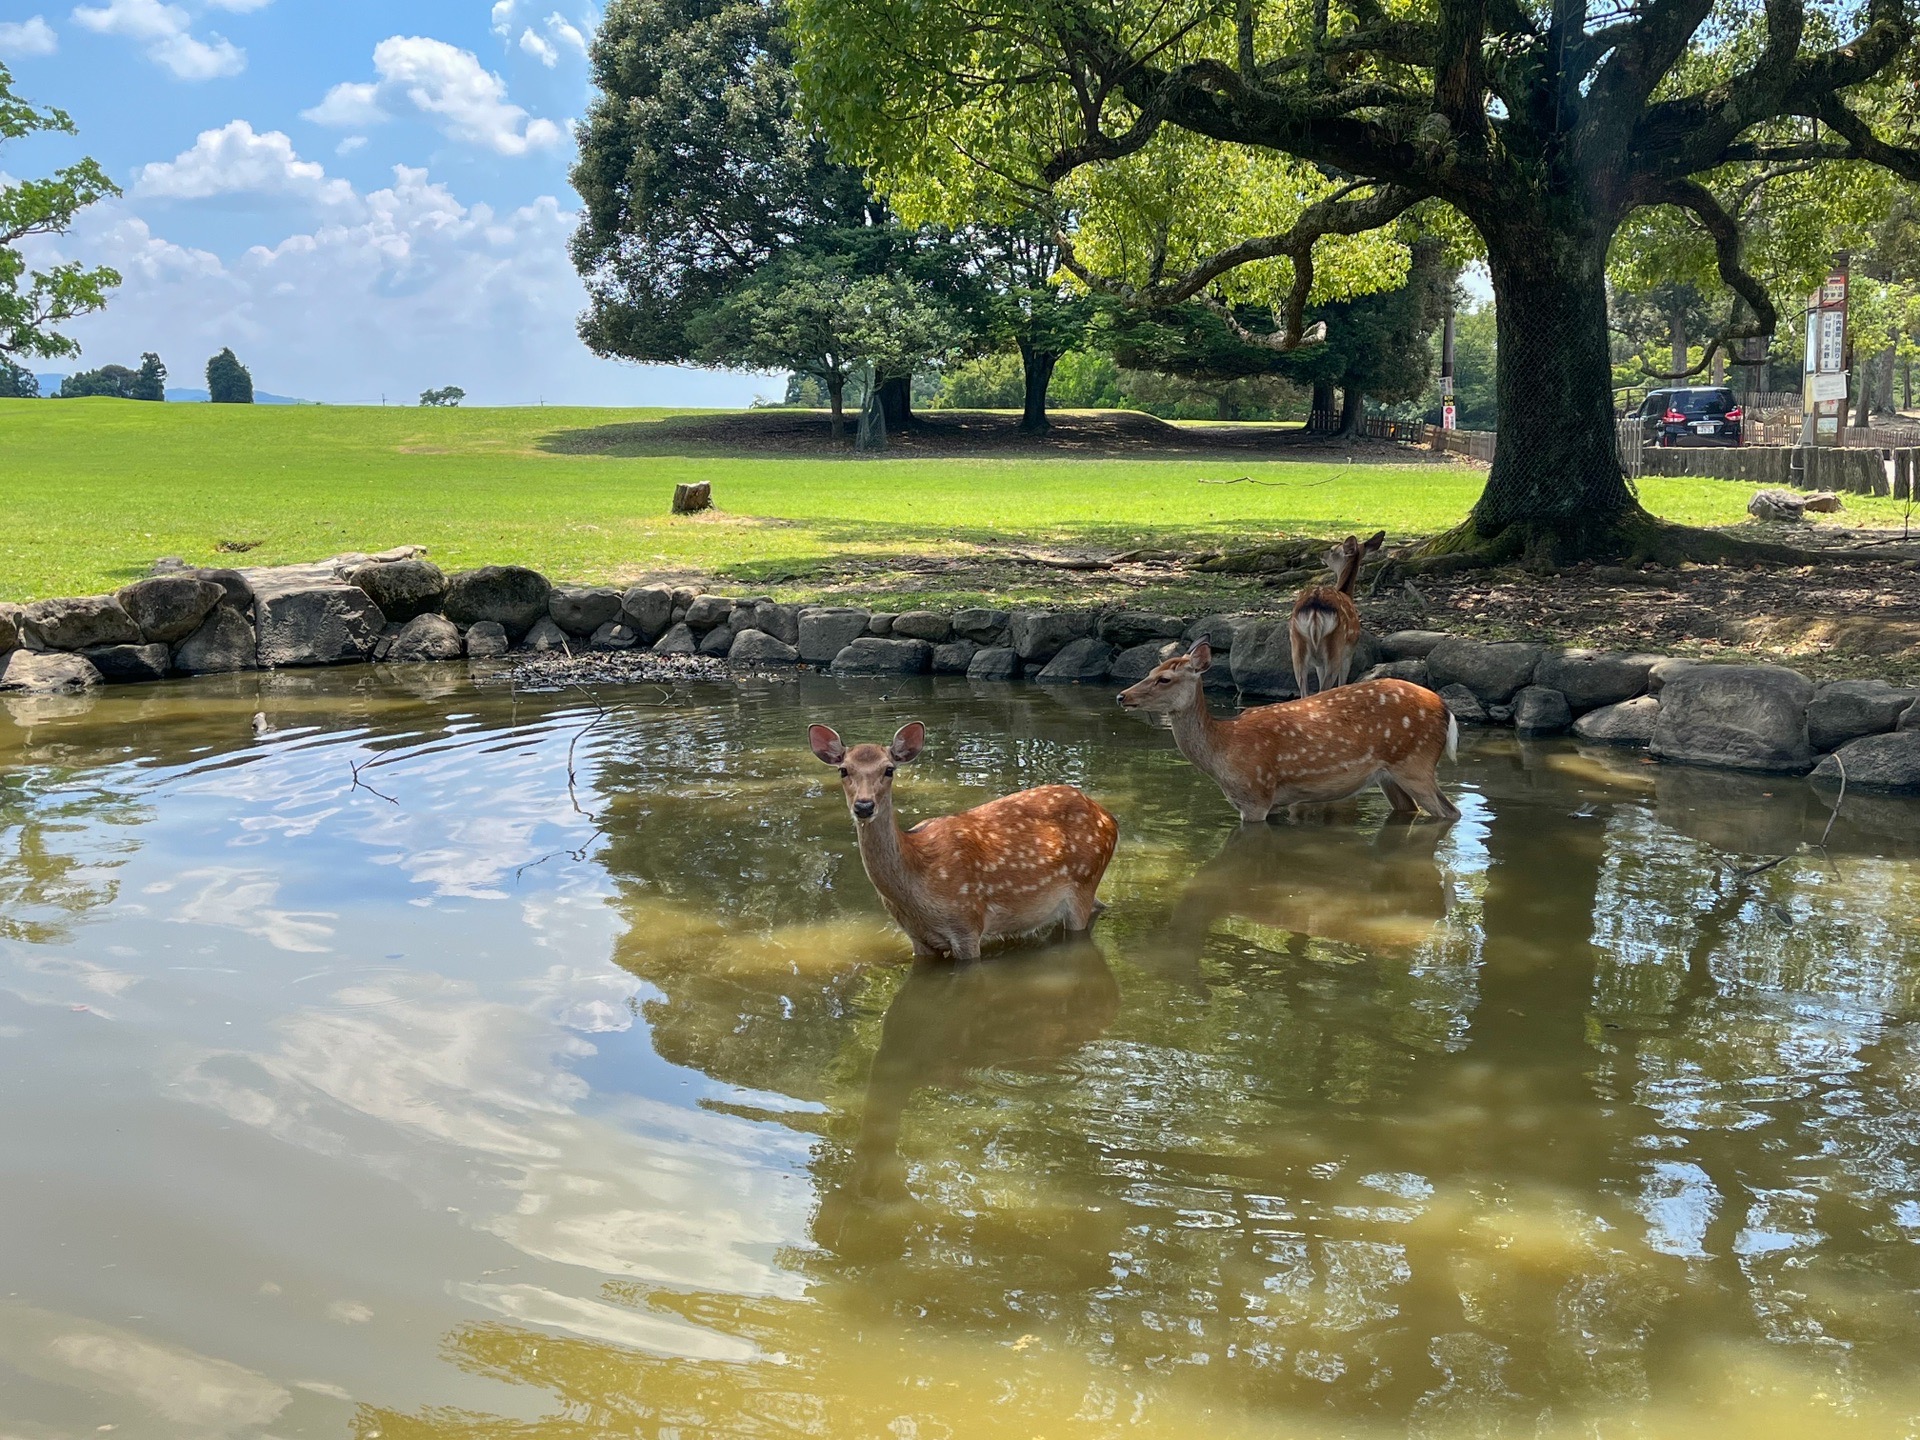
(436, 1108)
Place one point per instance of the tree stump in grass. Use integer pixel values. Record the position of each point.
(690, 498)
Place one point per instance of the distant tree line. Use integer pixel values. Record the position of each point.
(228, 381)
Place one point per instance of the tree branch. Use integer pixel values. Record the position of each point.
(1703, 205)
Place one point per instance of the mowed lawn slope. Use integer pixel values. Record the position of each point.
(93, 491)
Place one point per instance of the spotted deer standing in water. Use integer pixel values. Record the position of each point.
(1312, 751)
(1013, 866)
(1325, 626)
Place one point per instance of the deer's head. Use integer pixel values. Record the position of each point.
(866, 771)
(1346, 558)
(1172, 684)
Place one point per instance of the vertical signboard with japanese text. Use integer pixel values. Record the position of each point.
(1824, 371)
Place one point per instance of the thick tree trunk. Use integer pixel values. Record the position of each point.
(836, 393)
(896, 402)
(1678, 352)
(1322, 403)
(1555, 492)
(1353, 409)
(1863, 389)
(1883, 381)
(1036, 367)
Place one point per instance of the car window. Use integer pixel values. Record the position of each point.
(1656, 403)
(1704, 402)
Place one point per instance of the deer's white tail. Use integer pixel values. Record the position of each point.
(1316, 624)
(1453, 735)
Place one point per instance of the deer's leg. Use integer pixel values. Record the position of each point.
(1425, 789)
(1397, 796)
(1298, 643)
(966, 947)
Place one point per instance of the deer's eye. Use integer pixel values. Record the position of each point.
(888, 772)
(1164, 680)
(843, 772)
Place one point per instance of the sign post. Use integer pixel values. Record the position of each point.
(1823, 377)
(1446, 368)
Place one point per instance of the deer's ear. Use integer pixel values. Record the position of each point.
(1374, 542)
(908, 741)
(1200, 657)
(826, 744)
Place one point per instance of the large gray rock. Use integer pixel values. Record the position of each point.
(1413, 671)
(323, 623)
(1124, 629)
(1876, 762)
(708, 611)
(545, 637)
(1592, 678)
(1910, 718)
(1738, 717)
(922, 625)
(1410, 644)
(1219, 631)
(1261, 660)
(873, 655)
(1080, 662)
(1540, 710)
(239, 589)
(1848, 709)
(487, 640)
(511, 595)
(717, 641)
(35, 673)
(768, 617)
(1628, 723)
(1664, 669)
(1493, 670)
(954, 657)
(1137, 661)
(756, 647)
(983, 627)
(680, 640)
(1039, 635)
(582, 609)
(426, 637)
(647, 610)
(225, 642)
(125, 664)
(9, 627)
(614, 635)
(401, 588)
(78, 624)
(169, 608)
(997, 662)
(827, 630)
(1464, 705)
(880, 622)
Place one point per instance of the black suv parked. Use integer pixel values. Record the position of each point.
(1706, 415)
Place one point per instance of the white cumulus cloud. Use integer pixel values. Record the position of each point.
(540, 48)
(445, 83)
(164, 32)
(32, 36)
(234, 160)
(395, 290)
(566, 32)
(503, 18)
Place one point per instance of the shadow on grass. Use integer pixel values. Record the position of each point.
(1099, 434)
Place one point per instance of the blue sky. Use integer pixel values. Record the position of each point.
(359, 197)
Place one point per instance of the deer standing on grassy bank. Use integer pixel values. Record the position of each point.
(1013, 866)
(1325, 625)
(1312, 751)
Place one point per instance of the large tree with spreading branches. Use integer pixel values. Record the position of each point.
(1542, 124)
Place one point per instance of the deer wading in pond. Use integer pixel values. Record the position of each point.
(1325, 626)
(1312, 751)
(1013, 866)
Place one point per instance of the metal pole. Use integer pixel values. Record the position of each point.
(1446, 366)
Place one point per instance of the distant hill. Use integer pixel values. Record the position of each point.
(50, 386)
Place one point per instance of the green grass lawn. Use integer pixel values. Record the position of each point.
(93, 491)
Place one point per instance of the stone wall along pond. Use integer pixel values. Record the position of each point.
(398, 608)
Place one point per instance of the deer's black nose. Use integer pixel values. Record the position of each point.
(863, 809)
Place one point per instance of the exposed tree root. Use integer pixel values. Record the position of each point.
(1635, 539)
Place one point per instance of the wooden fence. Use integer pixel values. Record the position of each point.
(1884, 471)
(1376, 427)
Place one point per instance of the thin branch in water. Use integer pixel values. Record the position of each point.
(1839, 800)
(359, 784)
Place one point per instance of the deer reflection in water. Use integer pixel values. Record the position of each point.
(1315, 879)
(1026, 1011)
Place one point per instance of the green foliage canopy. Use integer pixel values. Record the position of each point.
(34, 302)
